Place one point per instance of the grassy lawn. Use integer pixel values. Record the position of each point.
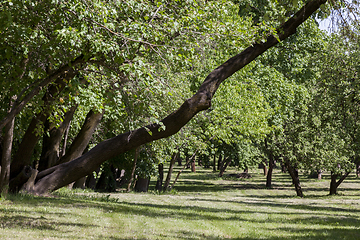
(202, 206)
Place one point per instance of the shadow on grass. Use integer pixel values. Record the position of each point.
(344, 234)
(40, 223)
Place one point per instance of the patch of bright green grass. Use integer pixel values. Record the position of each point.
(202, 206)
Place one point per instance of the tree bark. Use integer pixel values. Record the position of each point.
(171, 168)
(81, 141)
(264, 167)
(270, 170)
(214, 163)
(160, 179)
(223, 167)
(29, 185)
(335, 184)
(137, 151)
(20, 179)
(193, 166)
(295, 179)
(63, 174)
(6, 156)
(142, 184)
(220, 162)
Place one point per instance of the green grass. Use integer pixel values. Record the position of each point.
(202, 206)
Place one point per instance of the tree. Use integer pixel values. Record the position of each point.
(337, 107)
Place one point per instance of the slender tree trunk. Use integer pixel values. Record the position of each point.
(6, 155)
(66, 135)
(357, 166)
(193, 166)
(179, 161)
(160, 179)
(295, 179)
(220, 162)
(270, 171)
(171, 168)
(214, 163)
(63, 174)
(335, 184)
(81, 141)
(137, 151)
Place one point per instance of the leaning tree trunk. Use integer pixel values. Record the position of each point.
(171, 168)
(295, 179)
(223, 167)
(63, 174)
(6, 156)
(335, 184)
(81, 141)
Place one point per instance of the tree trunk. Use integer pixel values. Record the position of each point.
(357, 166)
(193, 166)
(142, 184)
(223, 167)
(335, 184)
(295, 179)
(179, 160)
(91, 180)
(137, 151)
(160, 179)
(29, 185)
(51, 143)
(270, 171)
(80, 183)
(63, 174)
(214, 163)
(220, 162)
(20, 179)
(6, 156)
(66, 135)
(81, 141)
(171, 168)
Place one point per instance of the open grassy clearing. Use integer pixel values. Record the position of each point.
(202, 207)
